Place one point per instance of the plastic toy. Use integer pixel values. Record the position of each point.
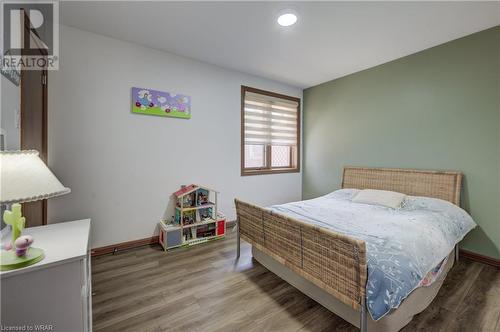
(23, 255)
(22, 244)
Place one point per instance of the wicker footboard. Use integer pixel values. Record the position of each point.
(332, 261)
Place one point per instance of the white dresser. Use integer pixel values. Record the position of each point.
(54, 293)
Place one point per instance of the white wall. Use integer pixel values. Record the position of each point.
(123, 167)
(10, 103)
(10, 95)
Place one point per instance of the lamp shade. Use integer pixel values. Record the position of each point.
(26, 178)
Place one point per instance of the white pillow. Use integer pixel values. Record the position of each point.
(390, 199)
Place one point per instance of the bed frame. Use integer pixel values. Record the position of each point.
(333, 261)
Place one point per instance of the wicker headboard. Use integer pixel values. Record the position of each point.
(445, 185)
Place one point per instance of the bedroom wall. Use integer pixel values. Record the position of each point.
(437, 109)
(123, 167)
(10, 96)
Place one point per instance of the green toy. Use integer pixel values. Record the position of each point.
(16, 220)
(9, 260)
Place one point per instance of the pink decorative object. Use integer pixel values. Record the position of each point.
(22, 244)
(185, 189)
(7, 246)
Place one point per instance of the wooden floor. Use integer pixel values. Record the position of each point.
(201, 289)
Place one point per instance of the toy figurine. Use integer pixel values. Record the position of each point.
(18, 253)
(202, 196)
(22, 244)
(188, 201)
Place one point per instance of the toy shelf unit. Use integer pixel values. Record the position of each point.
(196, 218)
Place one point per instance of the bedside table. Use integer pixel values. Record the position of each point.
(54, 293)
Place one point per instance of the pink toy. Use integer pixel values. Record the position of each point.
(22, 244)
(7, 246)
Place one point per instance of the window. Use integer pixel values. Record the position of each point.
(270, 132)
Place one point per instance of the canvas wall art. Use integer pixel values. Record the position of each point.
(152, 102)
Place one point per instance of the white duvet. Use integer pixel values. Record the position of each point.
(402, 245)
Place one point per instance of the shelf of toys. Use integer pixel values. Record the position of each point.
(196, 218)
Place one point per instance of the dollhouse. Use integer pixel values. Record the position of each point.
(196, 218)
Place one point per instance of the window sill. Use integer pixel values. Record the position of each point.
(247, 172)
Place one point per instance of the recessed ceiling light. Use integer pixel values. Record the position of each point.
(287, 19)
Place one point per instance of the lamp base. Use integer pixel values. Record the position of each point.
(10, 261)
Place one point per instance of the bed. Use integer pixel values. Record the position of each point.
(331, 265)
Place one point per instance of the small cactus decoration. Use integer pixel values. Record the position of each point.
(15, 219)
(19, 252)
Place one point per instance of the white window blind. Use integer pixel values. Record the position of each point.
(269, 120)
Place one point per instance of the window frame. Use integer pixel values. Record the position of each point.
(268, 169)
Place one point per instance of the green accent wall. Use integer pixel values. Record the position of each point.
(436, 109)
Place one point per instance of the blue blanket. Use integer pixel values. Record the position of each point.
(402, 245)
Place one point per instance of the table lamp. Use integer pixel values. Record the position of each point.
(24, 178)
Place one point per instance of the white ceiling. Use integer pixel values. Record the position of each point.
(330, 40)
